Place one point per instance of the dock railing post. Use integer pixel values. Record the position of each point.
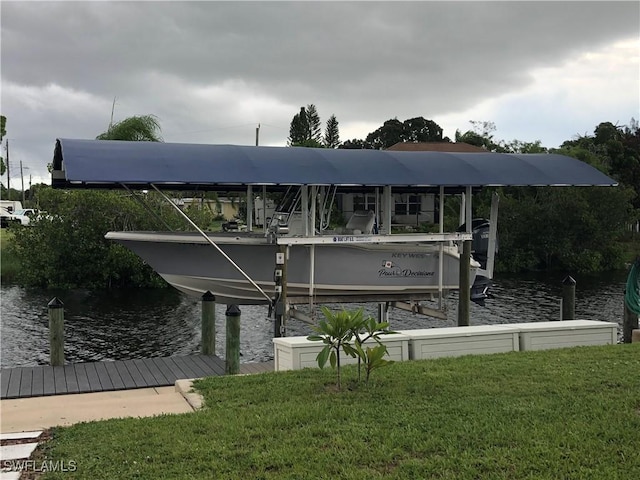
(232, 351)
(56, 331)
(208, 323)
(568, 298)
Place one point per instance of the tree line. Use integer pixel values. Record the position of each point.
(572, 229)
(576, 229)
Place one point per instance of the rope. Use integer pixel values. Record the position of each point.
(632, 292)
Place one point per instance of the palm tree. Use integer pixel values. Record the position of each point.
(144, 128)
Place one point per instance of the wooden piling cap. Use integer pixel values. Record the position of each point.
(208, 297)
(232, 311)
(568, 280)
(55, 303)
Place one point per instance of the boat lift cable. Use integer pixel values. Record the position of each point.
(206, 237)
(632, 293)
(146, 207)
(328, 198)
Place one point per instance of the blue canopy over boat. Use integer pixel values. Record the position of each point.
(111, 164)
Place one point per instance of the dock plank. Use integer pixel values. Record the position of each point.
(48, 384)
(151, 372)
(59, 380)
(195, 369)
(14, 383)
(170, 369)
(83, 380)
(201, 367)
(71, 379)
(126, 377)
(5, 374)
(216, 364)
(114, 376)
(208, 370)
(24, 382)
(26, 386)
(93, 377)
(186, 368)
(37, 382)
(136, 376)
(104, 377)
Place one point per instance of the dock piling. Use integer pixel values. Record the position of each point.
(208, 323)
(232, 352)
(465, 289)
(568, 298)
(56, 332)
(280, 314)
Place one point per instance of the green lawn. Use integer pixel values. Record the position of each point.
(571, 413)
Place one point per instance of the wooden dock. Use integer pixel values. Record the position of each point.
(24, 382)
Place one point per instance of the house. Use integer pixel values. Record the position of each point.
(447, 147)
(409, 209)
(227, 207)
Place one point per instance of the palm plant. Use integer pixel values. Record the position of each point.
(337, 333)
(143, 128)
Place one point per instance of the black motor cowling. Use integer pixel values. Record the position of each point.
(480, 241)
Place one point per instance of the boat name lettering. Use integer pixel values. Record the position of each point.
(406, 272)
(409, 255)
(351, 238)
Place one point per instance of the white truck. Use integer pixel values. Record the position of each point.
(11, 211)
(24, 216)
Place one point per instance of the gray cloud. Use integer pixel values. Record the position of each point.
(212, 65)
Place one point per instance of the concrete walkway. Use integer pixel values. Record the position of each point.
(37, 413)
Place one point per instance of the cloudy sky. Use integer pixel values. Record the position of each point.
(212, 71)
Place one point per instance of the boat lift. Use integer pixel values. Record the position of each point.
(283, 306)
(226, 168)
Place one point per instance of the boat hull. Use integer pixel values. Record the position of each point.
(323, 272)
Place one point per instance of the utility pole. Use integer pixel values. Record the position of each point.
(113, 107)
(22, 180)
(8, 174)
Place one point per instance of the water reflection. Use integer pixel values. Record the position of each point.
(114, 325)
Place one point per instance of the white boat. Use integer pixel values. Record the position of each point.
(347, 268)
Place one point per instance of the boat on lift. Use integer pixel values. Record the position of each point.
(298, 257)
(354, 263)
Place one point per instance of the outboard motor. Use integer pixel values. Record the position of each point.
(480, 253)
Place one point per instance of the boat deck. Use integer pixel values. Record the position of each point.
(24, 382)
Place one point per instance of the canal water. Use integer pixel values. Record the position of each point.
(125, 324)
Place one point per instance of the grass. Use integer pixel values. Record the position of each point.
(9, 264)
(571, 414)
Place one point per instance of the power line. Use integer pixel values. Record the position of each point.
(227, 127)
